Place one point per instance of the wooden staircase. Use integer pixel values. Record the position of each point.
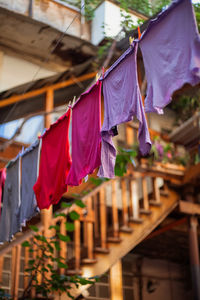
(119, 214)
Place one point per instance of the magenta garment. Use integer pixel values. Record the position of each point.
(122, 101)
(171, 52)
(86, 137)
(2, 182)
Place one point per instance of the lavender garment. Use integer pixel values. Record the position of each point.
(122, 101)
(171, 52)
(30, 162)
(10, 223)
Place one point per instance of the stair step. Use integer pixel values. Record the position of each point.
(145, 211)
(126, 229)
(164, 193)
(136, 220)
(74, 272)
(101, 250)
(112, 239)
(155, 203)
(89, 261)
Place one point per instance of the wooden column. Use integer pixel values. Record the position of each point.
(89, 233)
(156, 193)
(115, 218)
(194, 256)
(16, 252)
(145, 209)
(96, 217)
(63, 245)
(124, 203)
(77, 242)
(135, 202)
(116, 286)
(46, 214)
(125, 216)
(1, 267)
(26, 265)
(103, 218)
(145, 194)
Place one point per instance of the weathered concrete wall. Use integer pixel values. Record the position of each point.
(54, 13)
(15, 71)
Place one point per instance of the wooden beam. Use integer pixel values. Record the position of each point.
(189, 208)
(29, 95)
(116, 286)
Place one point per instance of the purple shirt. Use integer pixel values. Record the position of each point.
(122, 101)
(171, 52)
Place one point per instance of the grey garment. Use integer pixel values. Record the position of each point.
(10, 223)
(30, 161)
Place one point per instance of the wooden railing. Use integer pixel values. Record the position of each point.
(110, 208)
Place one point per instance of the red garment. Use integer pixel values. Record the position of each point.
(86, 137)
(55, 163)
(2, 182)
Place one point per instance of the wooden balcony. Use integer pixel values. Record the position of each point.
(118, 215)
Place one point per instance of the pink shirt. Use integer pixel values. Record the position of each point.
(86, 138)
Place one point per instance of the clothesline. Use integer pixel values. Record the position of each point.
(171, 59)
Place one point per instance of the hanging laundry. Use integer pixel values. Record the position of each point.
(2, 182)
(55, 163)
(122, 101)
(171, 52)
(10, 222)
(86, 137)
(30, 164)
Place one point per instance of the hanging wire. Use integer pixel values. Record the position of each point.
(45, 60)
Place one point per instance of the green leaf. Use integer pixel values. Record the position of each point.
(41, 238)
(56, 227)
(64, 204)
(62, 265)
(34, 228)
(57, 246)
(80, 203)
(31, 262)
(26, 244)
(64, 238)
(69, 226)
(59, 215)
(74, 215)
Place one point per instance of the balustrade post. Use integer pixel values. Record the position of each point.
(135, 202)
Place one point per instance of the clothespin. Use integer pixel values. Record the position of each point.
(139, 33)
(73, 101)
(97, 77)
(131, 39)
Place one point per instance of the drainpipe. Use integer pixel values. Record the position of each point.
(30, 8)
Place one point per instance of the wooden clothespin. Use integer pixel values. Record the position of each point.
(73, 101)
(139, 33)
(97, 77)
(131, 39)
